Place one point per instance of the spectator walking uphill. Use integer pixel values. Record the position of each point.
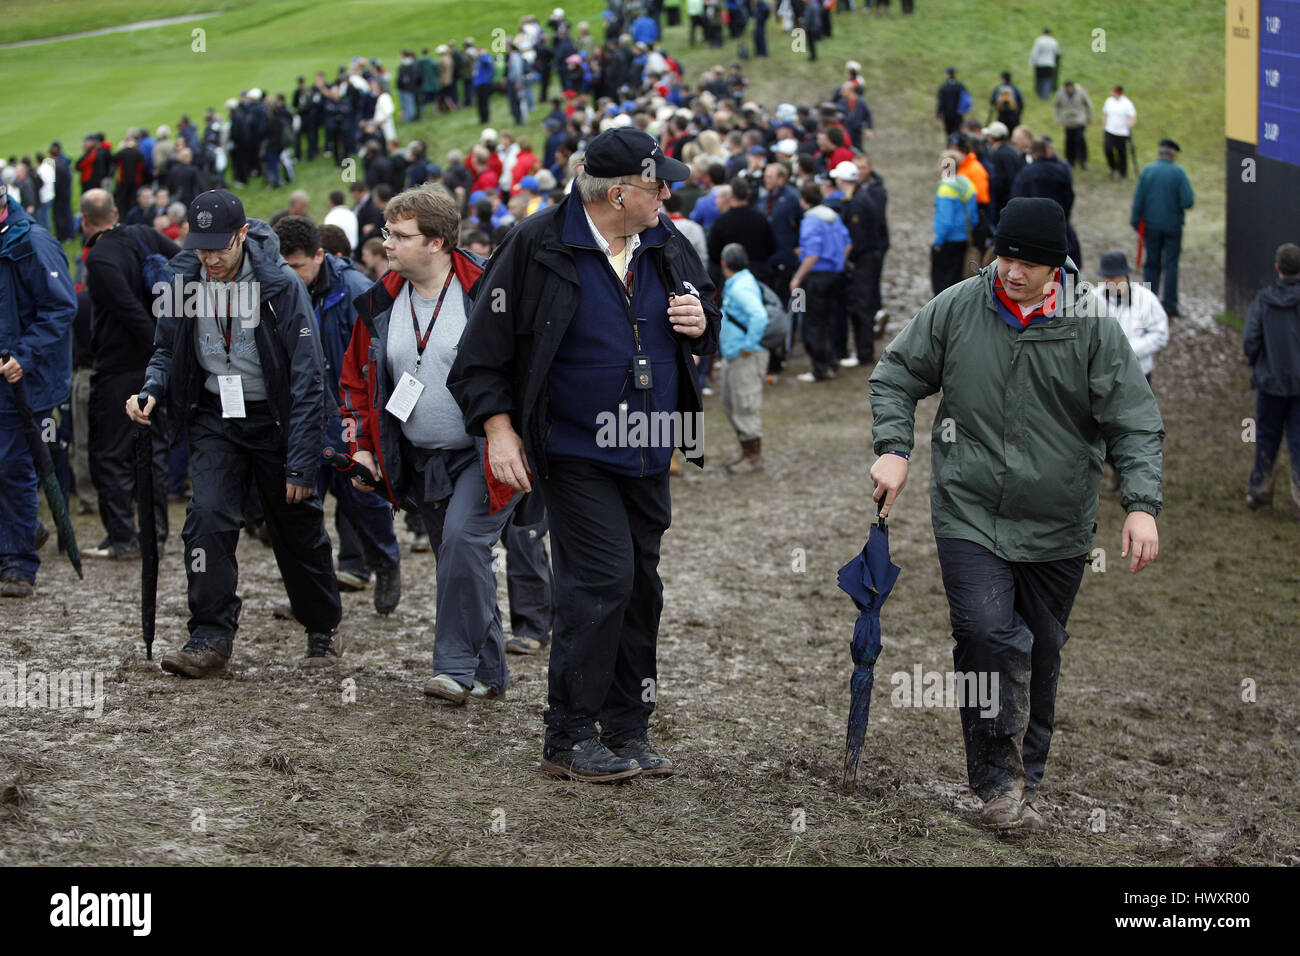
(408, 432)
(1120, 115)
(952, 103)
(1044, 60)
(37, 307)
(1072, 110)
(238, 361)
(744, 320)
(365, 522)
(547, 378)
(1272, 343)
(120, 274)
(1163, 194)
(1036, 387)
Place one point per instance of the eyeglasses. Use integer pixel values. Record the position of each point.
(220, 252)
(659, 186)
(399, 236)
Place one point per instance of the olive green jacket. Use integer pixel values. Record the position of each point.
(1025, 420)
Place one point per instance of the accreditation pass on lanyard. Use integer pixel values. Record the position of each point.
(231, 386)
(409, 389)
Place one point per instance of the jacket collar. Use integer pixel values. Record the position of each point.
(381, 296)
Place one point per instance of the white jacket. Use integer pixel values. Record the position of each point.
(1143, 320)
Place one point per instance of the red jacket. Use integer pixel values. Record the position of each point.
(365, 383)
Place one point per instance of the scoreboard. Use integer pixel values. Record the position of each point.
(1279, 80)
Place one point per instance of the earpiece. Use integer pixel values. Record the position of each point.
(620, 199)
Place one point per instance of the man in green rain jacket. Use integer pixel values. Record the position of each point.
(1036, 386)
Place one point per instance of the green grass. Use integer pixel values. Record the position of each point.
(1232, 320)
(1168, 57)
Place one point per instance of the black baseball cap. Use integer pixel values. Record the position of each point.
(214, 217)
(628, 151)
(1168, 143)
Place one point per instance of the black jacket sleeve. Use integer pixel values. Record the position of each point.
(300, 336)
(484, 375)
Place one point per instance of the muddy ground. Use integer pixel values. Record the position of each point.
(1158, 758)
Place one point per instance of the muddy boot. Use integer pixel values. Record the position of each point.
(197, 658)
(1003, 812)
(323, 650)
(1030, 818)
(751, 460)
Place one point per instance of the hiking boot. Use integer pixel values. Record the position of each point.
(1003, 811)
(481, 691)
(447, 688)
(388, 589)
(351, 581)
(1030, 818)
(420, 544)
(323, 650)
(523, 645)
(651, 763)
(14, 585)
(589, 761)
(198, 658)
(750, 460)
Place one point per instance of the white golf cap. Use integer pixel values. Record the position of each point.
(789, 146)
(846, 171)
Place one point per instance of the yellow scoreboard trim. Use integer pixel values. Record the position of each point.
(1241, 47)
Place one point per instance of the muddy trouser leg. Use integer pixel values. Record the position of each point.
(298, 536)
(529, 581)
(595, 572)
(742, 394)
(1045, 592)
(350, 556)
(820, 288)
(19, 501)
(861, 282)
(81, 436)
(468, 641)
(1270, 419)
(112, 464)
(1017, 638)
(625, 713)
(221, 477)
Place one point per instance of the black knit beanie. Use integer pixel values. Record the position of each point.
(1032, 230)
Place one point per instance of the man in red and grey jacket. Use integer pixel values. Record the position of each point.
(407, 430)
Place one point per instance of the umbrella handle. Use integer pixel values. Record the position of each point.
(880, 506)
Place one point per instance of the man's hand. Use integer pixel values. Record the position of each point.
(1139, 534)
(888, 475)
(367, 461)
(135, 413)
(686, 313)
(11, 370)
(506, 453)
(296, 493)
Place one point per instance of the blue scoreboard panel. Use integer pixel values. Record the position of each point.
(1279, 80)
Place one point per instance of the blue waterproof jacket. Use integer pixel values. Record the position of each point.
(38, 304)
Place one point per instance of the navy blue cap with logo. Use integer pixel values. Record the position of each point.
(214, 217)
(628, 151)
